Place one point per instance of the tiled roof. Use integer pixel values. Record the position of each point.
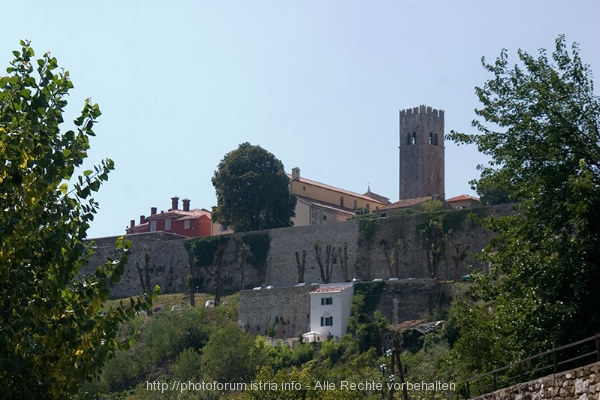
(335, 189)
(180, 214)
(406, 203)
(462, 197)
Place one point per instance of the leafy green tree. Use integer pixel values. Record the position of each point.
(53, 332)
(252, 190)
(541, 131)
(232, 355)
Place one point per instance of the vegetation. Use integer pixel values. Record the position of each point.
(205, 344)
(540, 126)
(252, 191)
(53, 331)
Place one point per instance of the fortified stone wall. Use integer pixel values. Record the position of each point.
(285, 309)
(409, 246)
(410, 299)
(167, 262)
(576, 384)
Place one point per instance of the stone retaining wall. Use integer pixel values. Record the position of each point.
(577, 384)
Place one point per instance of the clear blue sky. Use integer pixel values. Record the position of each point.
(317, 83)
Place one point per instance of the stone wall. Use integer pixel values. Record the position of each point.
(285, 309)
(398, 248)
(410, 299)
(576, 384)
(167, 262)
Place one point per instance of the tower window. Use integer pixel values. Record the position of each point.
(435, 139)
(414, 138)
(408, 139)
(430, 138)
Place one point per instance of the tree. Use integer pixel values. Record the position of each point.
(252, 190)
(541, 131)
(53, 331)
(231, 355)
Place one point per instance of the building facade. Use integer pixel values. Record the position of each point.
(421, 153)
(185, 221)
(319, 203)
(330, 309)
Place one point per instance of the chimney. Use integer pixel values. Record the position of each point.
(186, 204)
(132, 223)
(152, 210)
(142, 219)
(174, 203)
(296, 173)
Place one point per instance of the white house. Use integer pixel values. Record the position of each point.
(330, 308)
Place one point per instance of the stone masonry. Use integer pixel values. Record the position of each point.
(576, 384)
(397, 249)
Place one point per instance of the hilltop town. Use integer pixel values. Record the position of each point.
(328, 249)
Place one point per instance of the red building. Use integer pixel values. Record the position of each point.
(184, 222)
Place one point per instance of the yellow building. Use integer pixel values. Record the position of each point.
(319, 203)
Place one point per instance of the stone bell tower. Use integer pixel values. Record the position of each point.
(421, 153)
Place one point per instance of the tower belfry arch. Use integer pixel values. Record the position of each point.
(421, 153)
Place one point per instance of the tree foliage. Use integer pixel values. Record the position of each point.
(540, 125)
(53, 332)
(252, 190)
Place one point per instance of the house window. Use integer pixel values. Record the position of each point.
(152, 226)
(326, 321)
(325, 301)
(167, 224)
(355, 205)
(341, 201)
(186, 224)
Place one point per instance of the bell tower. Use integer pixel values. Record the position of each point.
(421, 153)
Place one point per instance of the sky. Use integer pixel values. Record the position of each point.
(317, 83)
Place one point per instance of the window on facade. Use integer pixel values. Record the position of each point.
(167, 224)
(430, 138)
(325, 301)
(355, 205)
(414, 138)
(152, 226)
(326, 321)
(324, 217)
(341, 201)
(186, 224)
(435, 139)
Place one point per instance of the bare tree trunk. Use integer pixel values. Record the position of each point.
(343, 256)
(301, 265)
(326, 268)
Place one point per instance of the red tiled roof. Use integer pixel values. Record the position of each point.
(462, 197)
